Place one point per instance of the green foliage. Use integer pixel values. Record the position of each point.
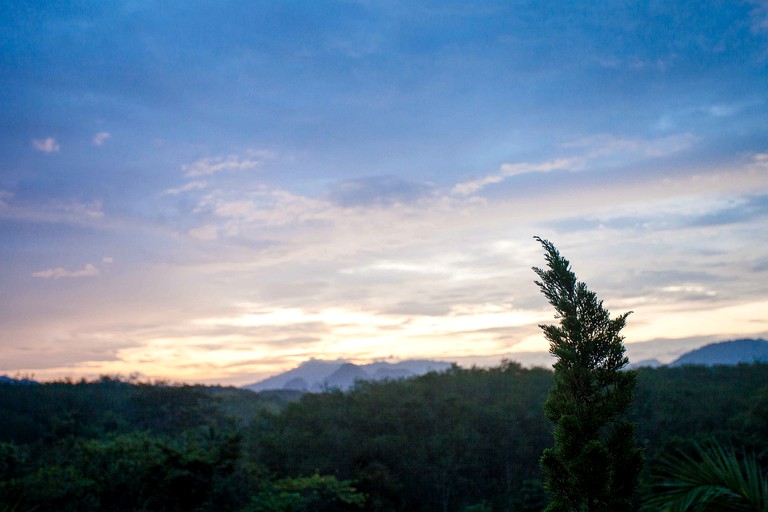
(10, 460)
(121, 446)
(439, 442)
(479, 507)
(594, 463)
(450, 441)
(712, 478)
(128, 472)
(308, 494)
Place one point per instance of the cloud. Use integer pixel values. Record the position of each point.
(604, 145)
(674, 214)
(91, 210)
(692, 115)
(48, 145)
(73, 212)
(88, 270)
(286, 226)
(265, 206)
(213, 165)
(206, 232)
(5, 196)
(377, 190)
(759, 162)
(100, 138)
(470, 187)
(559, 164)
(192, 185)
(691, 291)
(598, 150)
(516, 169)
(350, 331)
(739, 210)
(415, 268)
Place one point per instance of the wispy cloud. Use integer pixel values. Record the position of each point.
(206, 232)
(92, 209)
(716, 111)
(100, 138)
(53, 211)
(265, 206)
(378, 190)
(322, 228)
(759, 162)
(446, 275)
(48, 145)
(598, 150)
(88, 270)
(5, 196)
(395, 211)
(212, 165)
(604, 145)
(192, 185)
(516, 169)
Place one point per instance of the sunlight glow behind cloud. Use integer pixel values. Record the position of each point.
(366, 183)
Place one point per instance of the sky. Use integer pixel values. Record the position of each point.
(216, 191)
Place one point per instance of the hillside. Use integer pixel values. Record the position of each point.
(726, 353)
(401, 443)
(317, 375)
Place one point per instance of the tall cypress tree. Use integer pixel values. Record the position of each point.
(594, 463)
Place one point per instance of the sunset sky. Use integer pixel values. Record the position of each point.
(216, 191)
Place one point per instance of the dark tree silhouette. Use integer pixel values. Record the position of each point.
(594, 463)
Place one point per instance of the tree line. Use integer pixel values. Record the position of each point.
(461, 440)
(465, 439)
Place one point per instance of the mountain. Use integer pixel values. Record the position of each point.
(316, 375)
(345, 377)
(17, 382)
(726, 353)
(308, 376)
(646, 363)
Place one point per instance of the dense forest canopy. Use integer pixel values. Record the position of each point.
(466, 439)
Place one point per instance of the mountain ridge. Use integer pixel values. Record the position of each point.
(4, 379)
(317, 375)
(746, 350)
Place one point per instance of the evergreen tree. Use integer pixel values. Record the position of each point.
(594, 463)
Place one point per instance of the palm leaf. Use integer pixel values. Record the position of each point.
(713, 478)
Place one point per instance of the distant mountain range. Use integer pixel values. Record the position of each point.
(17, 382)
(316, 375)
(733, 352)
(726, 353)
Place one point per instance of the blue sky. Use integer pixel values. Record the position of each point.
(216, 191)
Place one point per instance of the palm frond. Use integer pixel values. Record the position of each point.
(712, 478)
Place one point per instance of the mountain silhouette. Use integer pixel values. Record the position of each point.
(726, 353)
(317, 375)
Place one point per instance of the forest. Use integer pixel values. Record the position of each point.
(461, 440)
